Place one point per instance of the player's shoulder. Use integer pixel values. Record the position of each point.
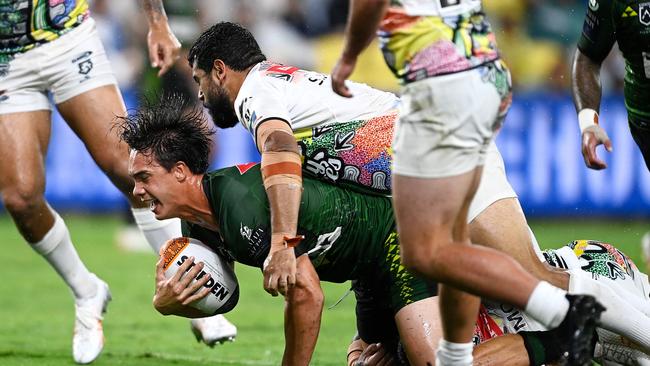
(233, 173)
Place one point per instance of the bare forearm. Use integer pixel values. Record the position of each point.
(281, 168)
(585, 80)
(304, 305)
(155, 11)
(363, 21)
(284, 200)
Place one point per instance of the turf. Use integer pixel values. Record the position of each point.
(36, 310)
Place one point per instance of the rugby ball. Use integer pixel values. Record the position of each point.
(224, 292)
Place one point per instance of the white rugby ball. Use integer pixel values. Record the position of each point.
(224, 292)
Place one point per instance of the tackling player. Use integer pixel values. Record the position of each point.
(347, 235)
(51, 48)
(346, 142)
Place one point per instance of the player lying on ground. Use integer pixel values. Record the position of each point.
(377, 340)
(347, 142)
(347, 235)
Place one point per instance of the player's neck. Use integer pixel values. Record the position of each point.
(233, 86)
(199, 209)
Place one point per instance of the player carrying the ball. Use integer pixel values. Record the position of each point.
(347, 235)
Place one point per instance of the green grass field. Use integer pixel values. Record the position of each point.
(36, 309)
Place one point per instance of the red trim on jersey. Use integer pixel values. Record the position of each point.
(243, 168)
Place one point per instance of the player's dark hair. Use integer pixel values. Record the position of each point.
(229, 42)
(171, 130)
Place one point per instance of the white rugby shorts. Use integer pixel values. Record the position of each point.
(65, 67)
(446, 124)
(494, 184)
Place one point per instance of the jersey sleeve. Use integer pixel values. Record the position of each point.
(598, 30)
(263, 99)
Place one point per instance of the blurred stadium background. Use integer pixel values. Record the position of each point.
(539, 142)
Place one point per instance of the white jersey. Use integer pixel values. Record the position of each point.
(345, 141)
(304, 99)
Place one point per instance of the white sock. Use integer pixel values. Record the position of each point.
(548, 304)
(454, 354)
(621, 315)
(157, 232)
(56, 247)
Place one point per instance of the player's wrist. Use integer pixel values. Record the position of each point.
(587, 117)
(285, 240)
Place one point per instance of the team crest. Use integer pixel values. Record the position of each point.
(85, 67)
(644, 13)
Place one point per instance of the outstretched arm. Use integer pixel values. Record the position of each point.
(587, 90)
(282, 175)
(363, 21)
(302, 315)
(164, 47)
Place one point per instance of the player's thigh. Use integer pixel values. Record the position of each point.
(429, 211)
(85, 91)
(420, 330)
(502, 226)
(24, 138)
(92, 116)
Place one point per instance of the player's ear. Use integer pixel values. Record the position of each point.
(180, 171)
(218, 71)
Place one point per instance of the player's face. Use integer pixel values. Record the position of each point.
(153, 185)
(215, 99)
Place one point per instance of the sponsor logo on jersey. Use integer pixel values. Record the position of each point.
(629, 13)
(644, 13)
(281, 72)
(245, 231)
(593, 5)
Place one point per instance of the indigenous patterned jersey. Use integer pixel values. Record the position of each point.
(343, 140)
(628, 23)
(344, 231)
(425, 38)
(27, 23)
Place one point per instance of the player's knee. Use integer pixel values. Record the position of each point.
(307, 295)
(22, 201)
(417, 263)
(424, 261)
